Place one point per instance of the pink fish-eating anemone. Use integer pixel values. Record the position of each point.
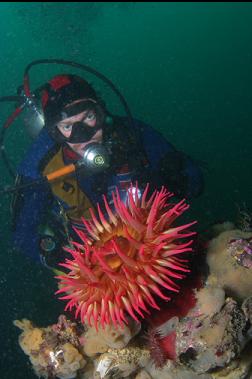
(127, 259)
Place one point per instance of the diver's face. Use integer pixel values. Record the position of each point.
(89, 118)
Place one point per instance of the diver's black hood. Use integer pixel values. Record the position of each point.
(59, 92)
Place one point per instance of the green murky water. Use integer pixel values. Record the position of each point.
(185, 68)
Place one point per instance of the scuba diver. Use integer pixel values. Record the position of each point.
(85, 152)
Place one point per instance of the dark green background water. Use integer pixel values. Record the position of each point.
(184, 68)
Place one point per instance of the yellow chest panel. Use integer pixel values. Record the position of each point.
(67, 189)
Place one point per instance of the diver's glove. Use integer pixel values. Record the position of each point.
(174, 173)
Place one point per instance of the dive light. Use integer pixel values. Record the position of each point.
(95, 159)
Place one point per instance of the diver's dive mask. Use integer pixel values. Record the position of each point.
(81, 131)
(95, 157)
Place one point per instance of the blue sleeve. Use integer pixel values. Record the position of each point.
(31, 205)
(195, 178)
(32, 202)
(172, 168)
(155, 145)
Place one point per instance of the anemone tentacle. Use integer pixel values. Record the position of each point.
(127, 259)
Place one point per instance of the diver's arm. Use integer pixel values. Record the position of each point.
(172, 168)
(182, 175)
(30, 206)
